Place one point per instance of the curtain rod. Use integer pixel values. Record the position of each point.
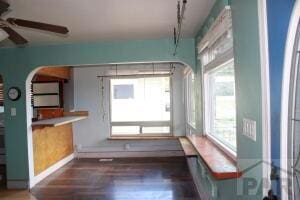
(136, 75)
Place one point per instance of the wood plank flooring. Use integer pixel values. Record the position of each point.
(16, 195)
(121, 179)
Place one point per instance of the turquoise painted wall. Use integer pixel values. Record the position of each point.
(248, 84)
(17, 63)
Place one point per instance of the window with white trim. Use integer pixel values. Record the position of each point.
(190, 99)
(220, 106)
(215, 51)
(141, 106)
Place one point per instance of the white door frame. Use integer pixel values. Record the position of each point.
(285, 97)
(265, 84)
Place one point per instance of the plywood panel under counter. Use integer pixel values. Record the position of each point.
(50, 145)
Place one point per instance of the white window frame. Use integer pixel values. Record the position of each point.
(189, 96)
(207, 102)
(142, 123)
(222, 24)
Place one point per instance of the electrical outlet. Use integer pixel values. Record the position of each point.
(249, 128)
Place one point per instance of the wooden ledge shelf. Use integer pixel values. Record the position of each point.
(188, 148)
(57, 121)
(219, 164)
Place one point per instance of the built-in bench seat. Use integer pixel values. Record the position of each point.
(215, 174)
(219, 164)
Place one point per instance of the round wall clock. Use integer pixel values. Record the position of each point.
(14, 93)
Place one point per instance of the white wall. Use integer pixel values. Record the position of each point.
(69, 93)
(92, 134)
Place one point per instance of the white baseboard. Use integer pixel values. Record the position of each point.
(35, 180)
(128, 154)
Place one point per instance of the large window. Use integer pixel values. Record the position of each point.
(190, 100)
(140, 106)
(220, 106)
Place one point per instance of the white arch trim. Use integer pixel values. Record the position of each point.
(34, 179)
(285, 97)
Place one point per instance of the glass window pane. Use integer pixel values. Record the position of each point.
(190, 100)
(123, 91)
(153, 130)
(222, 109)
(125, 130)
(138, 100)
(150, 101)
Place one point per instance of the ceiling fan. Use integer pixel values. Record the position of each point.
(8, 24)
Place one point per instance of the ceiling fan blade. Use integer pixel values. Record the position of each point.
(14, 36)
(38, 25)
(3, 7)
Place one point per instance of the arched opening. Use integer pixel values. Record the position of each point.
(96, 93)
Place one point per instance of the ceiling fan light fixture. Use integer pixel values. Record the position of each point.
(3, 35)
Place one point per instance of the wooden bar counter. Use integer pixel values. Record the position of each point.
(52, 141)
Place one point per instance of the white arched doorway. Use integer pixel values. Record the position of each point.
(290, 118)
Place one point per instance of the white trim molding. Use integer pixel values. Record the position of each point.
(265, 93)
(35, 180)
(285, 98)
(222, 23)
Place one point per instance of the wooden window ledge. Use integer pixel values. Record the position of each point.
(188, 148)
(219, 164)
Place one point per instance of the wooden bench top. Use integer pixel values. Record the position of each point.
(220, 165)
(57, 121)
(188, 148)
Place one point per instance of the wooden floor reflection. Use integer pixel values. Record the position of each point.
(121, 179)
(16, 195)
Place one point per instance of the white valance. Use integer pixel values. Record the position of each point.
(218, 40)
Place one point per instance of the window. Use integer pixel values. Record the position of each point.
(190, 100)
(140, 106)
(220, 112)
(123, 91)
(215, 52)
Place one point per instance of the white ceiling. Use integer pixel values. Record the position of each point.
(91, 20)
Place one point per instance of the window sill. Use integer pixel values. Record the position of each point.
(142, 138)
(225, 149)
(218, 162)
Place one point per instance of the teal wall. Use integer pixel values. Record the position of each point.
(17, 63)
(248, 83)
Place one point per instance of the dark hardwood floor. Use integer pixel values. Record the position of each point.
(121, 179)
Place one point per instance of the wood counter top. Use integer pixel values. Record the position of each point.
(220, 165)
(57, 121)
